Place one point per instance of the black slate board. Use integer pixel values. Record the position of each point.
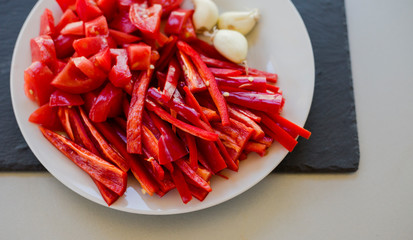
(334, 144)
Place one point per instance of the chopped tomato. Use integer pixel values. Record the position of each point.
(139, 56)
(47, 23)
(147, 20)
(37, 79)
(47, 117)
(167, 5)
(97, 27)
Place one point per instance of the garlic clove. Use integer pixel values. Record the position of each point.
(242, 22)
(205, 16)
(231, 44)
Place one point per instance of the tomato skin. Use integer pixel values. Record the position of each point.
(87, 10)
(67, 4)
(167, 5)
(47, 117)
(176, 21)
(122, 38)
(97, 27)
(47, 23)
(43, 50)
(37, 79)
(121, 22)
(72, 80)
(61, 99)
(74, 28)
(103, 60)
(108, 8)
(67, 17)
(120, 74)
(107, 104)
(64, 45)
(147, 20)
(139, 56)
(90, 45)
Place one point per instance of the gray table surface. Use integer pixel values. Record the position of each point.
(373, 203)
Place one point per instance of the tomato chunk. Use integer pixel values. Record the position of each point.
(43, 50)
(37, 79)
(60, 98)
(47, 23)
(97, 27)
(47, 117)
(147, 20)
(74, 80)
(139, 56)
(87, 9)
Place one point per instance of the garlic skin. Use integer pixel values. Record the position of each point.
(205, 16)
(231, 44)
(242, 22)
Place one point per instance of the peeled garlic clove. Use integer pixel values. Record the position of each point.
(231, 44)
(242, 22)
(205, 16)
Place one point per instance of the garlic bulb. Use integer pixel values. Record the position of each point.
(242, 22)
(205, 16)
(231, 44)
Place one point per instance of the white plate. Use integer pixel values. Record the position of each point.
(279, 43)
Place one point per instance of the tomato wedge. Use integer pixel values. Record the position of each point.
(147, 20)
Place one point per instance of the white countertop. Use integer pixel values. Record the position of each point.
(373, 203)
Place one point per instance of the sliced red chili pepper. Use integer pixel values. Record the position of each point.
(276, 132)
(226, 156)
(257, 147)
(176, 105)
(238, 133)
(103, 145)
(172, 77)
(255, 100)
(134, 122)
(108, 195)
(60, 98)
(206, 49)
(47, 23)
(171, 148)
(118, 139)
(283, 122)
(181, 185)
(209, 81)
(224, 72)
(209, 153)
(150, 143)
(212, 62)
(192, 78)
(166, 53)
(257, 84)
(80, 135)
(237, 115)
(197, 192)
(192, 175)
(198, 132)
(104, 172)
(64, 117)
